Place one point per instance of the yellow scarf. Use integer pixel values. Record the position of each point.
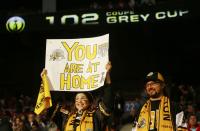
(163, 117)
(86, 122)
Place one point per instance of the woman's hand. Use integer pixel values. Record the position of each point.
(108, 68)
(44, 72)
(64, 111)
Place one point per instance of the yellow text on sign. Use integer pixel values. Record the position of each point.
(73, 68)
(80, 52)
(67, 81)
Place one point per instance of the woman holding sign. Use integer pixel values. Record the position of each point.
(85, 116)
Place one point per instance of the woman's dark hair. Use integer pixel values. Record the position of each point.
(91, 107)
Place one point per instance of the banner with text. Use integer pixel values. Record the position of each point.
(77, 64)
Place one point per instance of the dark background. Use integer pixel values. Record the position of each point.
(171, 47)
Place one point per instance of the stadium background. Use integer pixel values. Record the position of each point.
(170, 46)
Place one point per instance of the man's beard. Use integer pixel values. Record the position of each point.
(154, 95)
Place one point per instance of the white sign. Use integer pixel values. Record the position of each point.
(77, 64)
(179, 118)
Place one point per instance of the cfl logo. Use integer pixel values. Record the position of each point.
(15, 24)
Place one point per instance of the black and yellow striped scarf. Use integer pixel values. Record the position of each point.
(85, 124)
(164, 119)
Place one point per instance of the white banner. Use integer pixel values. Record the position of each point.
(77, 64)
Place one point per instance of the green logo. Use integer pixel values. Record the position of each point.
(15, 24)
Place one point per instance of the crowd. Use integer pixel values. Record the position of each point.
(17, 113)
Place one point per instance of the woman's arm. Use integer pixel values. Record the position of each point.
(106, 103)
